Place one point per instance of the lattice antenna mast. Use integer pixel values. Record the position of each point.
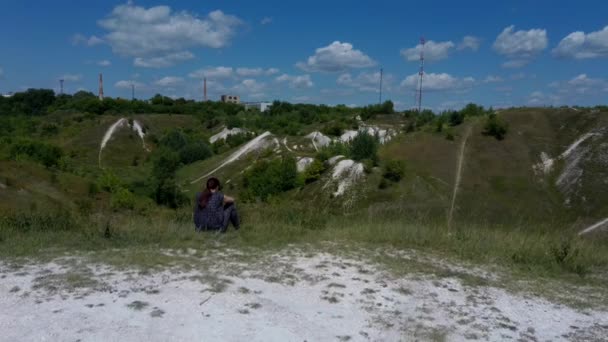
(60, 87)
(421, 73)
(205, 89)
(380, 99)
(100, 87)
(132, 91)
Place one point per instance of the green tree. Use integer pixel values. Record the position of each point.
(364, 146)
(495, 127)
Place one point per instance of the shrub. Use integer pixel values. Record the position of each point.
(174, 140)
(46, 154)
(314, 171)
(267, 178)
(122, 199)
(108, 182)
(166, 192)
(495, 127)
(394, 170)
(333, 149)
(455, 118)
(233, 121)
(364, 146)
(194, 152)
(335, 129)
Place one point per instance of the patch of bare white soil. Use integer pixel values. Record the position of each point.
(291, 295)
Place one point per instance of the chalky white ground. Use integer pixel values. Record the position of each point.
(287, 296)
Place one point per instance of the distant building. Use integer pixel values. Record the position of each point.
(261, 106)
(230, 99)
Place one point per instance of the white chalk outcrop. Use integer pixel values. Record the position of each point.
(261, 142)
(122, 122)
(303, 163)
(225, 133)
(384, 135)
(345, 173)
(571, 155)
(318, 139)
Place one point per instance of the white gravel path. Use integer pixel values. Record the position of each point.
(282, 297)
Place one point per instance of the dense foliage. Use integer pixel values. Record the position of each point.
(268, 178)
(495, 127)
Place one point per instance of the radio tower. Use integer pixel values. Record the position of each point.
(132, 91)
(205, 89)
(421, 73)
(100, 87)
(380, 100)
(60, 87)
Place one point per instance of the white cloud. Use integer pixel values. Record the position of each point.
(515, 63)
(580, 85)
(79, 39)
(220, 72)
(266, 20)
(164, 61)
(159, 37)
(272, 71)
(518, 76)
(438, 82)
(492, 79)
(169, 81)
(126, 84)
(469, 42)
(299, 82)
(71, 77)
(366, 81)
(249, 72)
(433, 51)
(336, 57)
(520, 47)
(104, 63)
(250, 88)
(579, 45)
(583, 84)
(538, 98)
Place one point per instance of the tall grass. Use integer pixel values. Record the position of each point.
(537, 250)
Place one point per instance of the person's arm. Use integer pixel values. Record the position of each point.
(228, 199)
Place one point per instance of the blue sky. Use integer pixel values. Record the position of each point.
(494, 53)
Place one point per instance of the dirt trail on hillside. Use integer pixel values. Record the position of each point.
(291, 295)
(458, 176)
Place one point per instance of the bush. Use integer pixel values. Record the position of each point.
(174, 140)
(194, 152)
(167, 193)
(46, 154)
(364, 146)
(314, 171)
(495, 127)
(333, 149)
(394, 170)
(122, 199)
(233, 121)
(455, 118)
(108, 182)
(335, 129)
(267, 178)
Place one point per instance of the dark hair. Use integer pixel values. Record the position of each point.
(212, 184)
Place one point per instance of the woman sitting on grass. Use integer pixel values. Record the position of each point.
(213, 210)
